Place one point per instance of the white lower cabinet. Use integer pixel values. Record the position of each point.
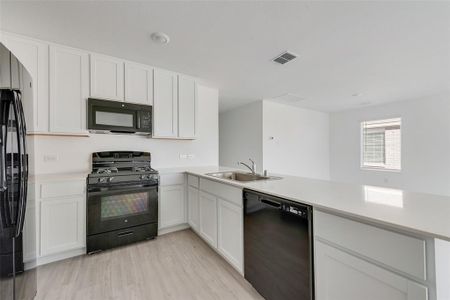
(62, 224)
(355, 260)
(230, 233)
(220, 218)
(172, 206)
(342, 276)
(60, 210)
(193, 208)
(208, 218)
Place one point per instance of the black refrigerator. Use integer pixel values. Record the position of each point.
(17, 266)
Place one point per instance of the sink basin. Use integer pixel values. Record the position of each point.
(240, 176)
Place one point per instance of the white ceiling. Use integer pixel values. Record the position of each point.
(385, 51)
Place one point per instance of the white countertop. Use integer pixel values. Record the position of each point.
(419, 213)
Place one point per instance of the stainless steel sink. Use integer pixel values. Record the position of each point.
(240, 176)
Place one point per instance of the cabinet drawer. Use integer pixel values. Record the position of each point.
(193, 181)
(63, 188)
(404, 253)
(172, 179)
(223, 191)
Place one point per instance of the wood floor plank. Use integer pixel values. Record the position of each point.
(174, 266)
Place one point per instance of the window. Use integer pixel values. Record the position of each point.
(381, 144)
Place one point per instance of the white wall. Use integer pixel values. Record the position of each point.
(240, 135)
(74, 153)
(425, 145)
(295, 141)
(300, 144)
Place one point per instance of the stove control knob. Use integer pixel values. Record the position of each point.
(102, 180)
(110, 179)
(142, 177)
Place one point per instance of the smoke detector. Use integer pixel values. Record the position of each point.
(284, 57)
(160, 38)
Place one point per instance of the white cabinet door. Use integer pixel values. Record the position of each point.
(69, 89)
(187, 107)
(230, 233)
(341, 276)
(107, 77)
(138, 83)
(33, 55)
(62, 224)
(193, 208)
(172, 206)
(165, 104)
(208, 218)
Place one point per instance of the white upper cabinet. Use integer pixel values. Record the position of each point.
(33, 55)
(165, 104)
(69, 89)
(187, 107)
(56, 81)
(107, 77)
(138, 83)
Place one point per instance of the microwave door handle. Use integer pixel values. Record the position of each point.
(138, 120)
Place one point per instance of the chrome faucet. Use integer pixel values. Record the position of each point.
(252, 168)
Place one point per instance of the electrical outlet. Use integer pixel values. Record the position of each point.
(50, 157)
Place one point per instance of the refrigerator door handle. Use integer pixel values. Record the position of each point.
(3, 159)
(22, 167)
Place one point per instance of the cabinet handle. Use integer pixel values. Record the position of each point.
(271, 203)
(126, 233)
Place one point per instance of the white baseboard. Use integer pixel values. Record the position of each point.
(77, 252)
(172, 229)
(43, 260)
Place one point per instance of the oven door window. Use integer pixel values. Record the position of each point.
(120, 206)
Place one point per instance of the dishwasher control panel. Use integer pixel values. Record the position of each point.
(301, 212)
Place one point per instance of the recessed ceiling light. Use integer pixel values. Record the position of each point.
(160, 38)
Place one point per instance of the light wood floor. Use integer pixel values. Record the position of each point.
(178, 265)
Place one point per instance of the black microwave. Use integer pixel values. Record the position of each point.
(105, 116)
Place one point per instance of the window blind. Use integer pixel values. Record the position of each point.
(381, 144)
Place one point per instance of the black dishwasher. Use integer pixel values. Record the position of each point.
(278, 247)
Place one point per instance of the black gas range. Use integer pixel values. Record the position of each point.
(122, 199)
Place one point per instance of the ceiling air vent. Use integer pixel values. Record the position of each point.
(284, 57)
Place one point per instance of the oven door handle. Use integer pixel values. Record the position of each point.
(122, 189)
